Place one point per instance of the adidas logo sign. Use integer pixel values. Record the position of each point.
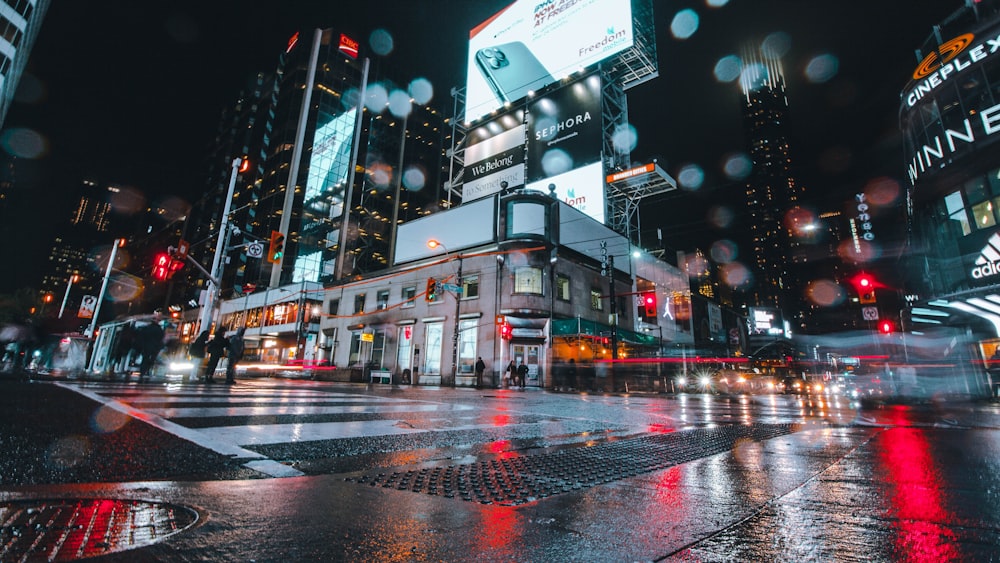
(988, 263)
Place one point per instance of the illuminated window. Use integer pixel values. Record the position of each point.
(528, 280)
(562, 288)
(956, 211)
(359, 303)
(595, 300)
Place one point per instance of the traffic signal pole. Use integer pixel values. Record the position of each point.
(207, 311)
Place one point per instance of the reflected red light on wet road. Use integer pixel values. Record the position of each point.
(660, 428)
(915, 498)
(503, 526)
(501, 420)
(498, 446)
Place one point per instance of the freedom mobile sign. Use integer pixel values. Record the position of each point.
(533, 43)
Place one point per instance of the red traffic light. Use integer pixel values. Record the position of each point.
(886, 327)
(649, 303)
(505, 331)
(161, 266)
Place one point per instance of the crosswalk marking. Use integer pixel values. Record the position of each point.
(162, 406)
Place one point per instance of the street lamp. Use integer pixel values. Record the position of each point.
(433, 244)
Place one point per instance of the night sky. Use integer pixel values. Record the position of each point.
(130, 92)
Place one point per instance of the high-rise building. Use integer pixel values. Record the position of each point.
(771, 189)
(335, 157)
(20, 21)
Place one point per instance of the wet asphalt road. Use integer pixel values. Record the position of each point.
(498, 475)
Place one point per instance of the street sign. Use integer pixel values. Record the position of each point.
(451, 287)
(255, 250)
(869, 313)
(367, 337)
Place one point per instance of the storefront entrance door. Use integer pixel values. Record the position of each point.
(529, 354)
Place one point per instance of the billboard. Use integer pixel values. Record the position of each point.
(766, 321)
(532, 43)
(565, 131)
(492, 160)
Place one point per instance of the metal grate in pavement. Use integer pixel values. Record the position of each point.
(73, 529)
(522, 479)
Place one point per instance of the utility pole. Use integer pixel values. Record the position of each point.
(208, 311)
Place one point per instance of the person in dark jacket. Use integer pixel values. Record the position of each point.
(480, 369)
(522, 375)
(197, 354)
(149, 340)
(234, 353)
(216, 350)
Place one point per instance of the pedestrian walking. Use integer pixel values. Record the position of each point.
(480, 368)
(510, 374)
(234, 353)
(522, 374)
(571, 374)
(216, 349)
(196, 352)
(149, 339)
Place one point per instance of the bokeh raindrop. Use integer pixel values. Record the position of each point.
(107, 419)
(724, 251)
(822, 68)
(684, 24)
(737, 166)
(776, 45)
(376, 98)
(690, 177)
(825, 293)
(727, 69)
(381, 42)
(421, 90)
(414, 178)
(556, 161)
(24, 143)
(399, 103)
(625, 138)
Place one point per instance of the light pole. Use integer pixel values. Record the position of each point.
(72, 279)
(213, 288)
(104, 286)
(433, 244)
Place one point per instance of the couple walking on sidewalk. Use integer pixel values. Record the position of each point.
(218, 347)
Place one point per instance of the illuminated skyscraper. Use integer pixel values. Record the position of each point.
(771, 189)
(20, 21)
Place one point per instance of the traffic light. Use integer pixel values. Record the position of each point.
(277, 247)
(865, 284)
(649, 303)
(505, 330)
(161, 266)
(886, 327)
(431, 293)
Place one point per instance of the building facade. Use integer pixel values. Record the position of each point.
(949, 114)
(20, 22)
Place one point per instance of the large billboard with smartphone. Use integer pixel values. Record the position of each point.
(532, 43)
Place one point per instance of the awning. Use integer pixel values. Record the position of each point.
(585, 328)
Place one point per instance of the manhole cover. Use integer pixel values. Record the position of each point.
(72, 529)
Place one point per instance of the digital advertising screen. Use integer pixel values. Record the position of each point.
(564, 146)
(496, 159)
(532, 43)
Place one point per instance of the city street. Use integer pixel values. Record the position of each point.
(294, 470)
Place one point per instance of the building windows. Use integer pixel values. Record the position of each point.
(382, 299)
(409, 296)
(334, 308)
(467, 335)
(596, 303)
(956, 212)
(562, 288)
(359, 303)
(432, 348)
(470, 287)
(528, 280)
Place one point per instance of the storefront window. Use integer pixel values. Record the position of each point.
(467, 335)
(432, 347)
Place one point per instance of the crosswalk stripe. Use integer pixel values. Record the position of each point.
(162, 405)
